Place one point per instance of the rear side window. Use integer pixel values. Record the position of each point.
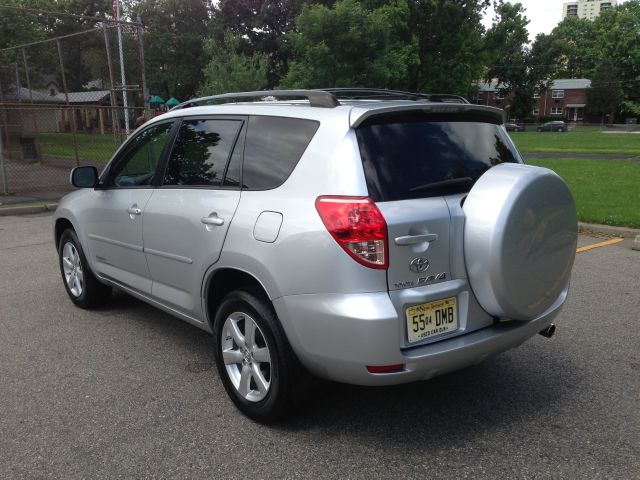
(418, 156)
(272, 149)
(201, 151)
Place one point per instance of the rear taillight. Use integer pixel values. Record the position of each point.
(358, 227)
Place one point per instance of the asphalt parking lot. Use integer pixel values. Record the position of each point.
(128, 392)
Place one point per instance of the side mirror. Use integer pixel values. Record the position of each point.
(84, 177)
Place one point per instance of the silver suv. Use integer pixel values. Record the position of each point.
(367, 237)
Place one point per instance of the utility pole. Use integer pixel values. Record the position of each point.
(122, 77)
(145, 93)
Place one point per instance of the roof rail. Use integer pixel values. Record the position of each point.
(328, 97)
(317, 98)
(446, 98)
(373, 94)
(383, 93)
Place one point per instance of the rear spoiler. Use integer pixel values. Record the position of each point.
(359, 114)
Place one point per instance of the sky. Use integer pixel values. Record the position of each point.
(543, 14)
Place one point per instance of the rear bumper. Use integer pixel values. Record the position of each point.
(337, 335)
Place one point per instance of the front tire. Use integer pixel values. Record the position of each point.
(83, 288)
(254, 359)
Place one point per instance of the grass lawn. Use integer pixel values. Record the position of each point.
(605, 191)
(92, 148)
(577, 141)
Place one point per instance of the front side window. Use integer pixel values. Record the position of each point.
(556, 111)
(557, 94)
(140, 160)
(201, 151)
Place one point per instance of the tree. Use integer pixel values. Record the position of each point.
(349, 45)
(263, 27)
(231, 71)
(520, 70)
(451, 50)
(605, 95)
(174, 44)
(612, 38)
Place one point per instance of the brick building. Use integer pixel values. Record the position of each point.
(566, 98)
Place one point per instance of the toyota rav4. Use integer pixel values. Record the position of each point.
(363, 236)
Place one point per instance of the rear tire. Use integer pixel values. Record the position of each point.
(83, 288)
(255, 362)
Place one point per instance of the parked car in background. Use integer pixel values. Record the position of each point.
(514, 127)
(371, 241)
(555, 126)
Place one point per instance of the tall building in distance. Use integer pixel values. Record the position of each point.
(588, 9)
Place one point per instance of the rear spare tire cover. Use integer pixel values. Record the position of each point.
(520, 240)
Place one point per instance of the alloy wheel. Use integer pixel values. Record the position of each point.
(246, 356)
(72, 268)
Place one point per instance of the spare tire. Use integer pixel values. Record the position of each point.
(520, 240)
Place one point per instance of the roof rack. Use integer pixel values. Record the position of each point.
(447, 98)
(328, 97)
(385, 94)
(317, 98)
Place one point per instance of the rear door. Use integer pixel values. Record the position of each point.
(187, 219)
(414, 164)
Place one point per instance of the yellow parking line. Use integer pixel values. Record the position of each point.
(613, 241)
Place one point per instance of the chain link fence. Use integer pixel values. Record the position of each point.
(65, 102)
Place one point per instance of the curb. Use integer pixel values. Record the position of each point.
(27, 209)
(608, 230)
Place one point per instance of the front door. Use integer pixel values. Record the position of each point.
(188, 216)
(114, 220)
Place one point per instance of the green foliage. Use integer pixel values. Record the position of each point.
(263, 27)
(351, 46)
(231, 71)
(173, 42)
(451, 51)
(605, 94)
(581, 46)
(631, 108)
(520, 70)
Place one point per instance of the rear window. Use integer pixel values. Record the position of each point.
(417, 156)
(272, 150)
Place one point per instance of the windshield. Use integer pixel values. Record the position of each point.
(404, 157)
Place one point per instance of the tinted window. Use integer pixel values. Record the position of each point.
(405, 158)
(272, 149)
(138, 164)
(200, 153)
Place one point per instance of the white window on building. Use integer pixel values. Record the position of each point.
(557, 94)
(499, 95)
(556, 111)
(536, 94)
(480, 96)
(535, 112)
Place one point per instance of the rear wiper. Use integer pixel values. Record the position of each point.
(454, 184)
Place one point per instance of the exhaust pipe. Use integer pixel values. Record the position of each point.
(549, 331)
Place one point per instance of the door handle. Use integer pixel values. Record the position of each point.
(134, 210)
(413, 239)
(212, 220)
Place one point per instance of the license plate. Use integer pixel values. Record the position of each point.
(431, 319)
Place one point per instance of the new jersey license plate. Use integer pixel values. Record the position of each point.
(431, 319)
